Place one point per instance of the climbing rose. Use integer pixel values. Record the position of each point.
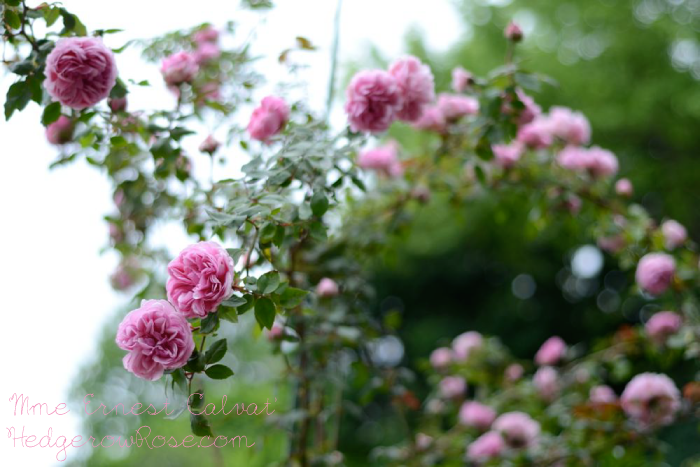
(373, 99)
(531, 110)
(179, 68)
(200, 279)
(572, 127)
(117, 104)
(432, 119)
(383, 159)
(536, 134)
(440, 357)
(518, 429)
(60, 131)
(416, 85)
(514, 372)
(513, 32)
(452, 387)
(655, 272)
(507, 155)
(327, 288)
(209, 145)
(476, 415)
(674, 233)
(651, 399)
(268, 118)
(612, 244)
(551, 352)
(206, 52)
(465, 343)
(461, 79)
(546, 381)
(602, 394)
(485, 447)
(595, 160)
(454, 107)
(80, 72)
(207, 34)
(623, 187)
(663, 325)
(157, 338)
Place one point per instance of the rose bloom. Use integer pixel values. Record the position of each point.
(655, 272)
(487, 446)
(465, 343)
(157, 337)
(531, 110)
(206, 52)
(383, 159)
(513, 32)
(518, 429)
(536, 134)
(514, 372)
(373, 98)
(611, 244)
(209, 145)
(461, 79)
(476, 415)
(452, 387)
(623, 187)
(423, 441)
(80, 72)
(416, 85)
(663, 325)
(507, 155)
(60, 131)
(327, 288)
(440, 357)
(207, 34)
(178, 68)
(551, 352)
(117, 105)
(432, 119)
(454, 107)
(674, 233)
(572, 127)
(200, 279)
(603, 163)
(276, 332)
(546, 381)
(268, 118)
(121, 279)
(602, 394)
(651, 399)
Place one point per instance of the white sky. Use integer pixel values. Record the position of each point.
(55, 283)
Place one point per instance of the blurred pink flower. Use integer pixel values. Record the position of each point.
(487, 446)
(537, 134)
(551, 352)
(655, 272)
(507, 155)
(372, 100)
(465, 344)
(623, 187)
(611, 244)
(423, 441)
(663, 325)
(461, 79)
(327, 288)
(651, 399)
(674, 234)
(178, 68)
(440, 357)
(207, 34)
(268, 118)
(416, 85)
(209, 145)
(531, 110)
(383, 159)
(117, 105)
(452, 387)
(60, 131)
(432, 119)
(514, 372)
(206, 52)
(454, 107)
(513, 32)
(546, 381)
(518, 429)
(476, 415)
(572, 127)
(602, 394)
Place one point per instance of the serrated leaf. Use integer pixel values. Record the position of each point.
(234, 301)
(51, 113)
(12, 19)
(218, 372)
(209, 324)
(215, 352)
(249, 303)
(268, 282)
(265, 312)
(228, 314)
(292, 297)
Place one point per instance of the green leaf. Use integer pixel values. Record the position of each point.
(265, 312)
(215, 352)
(51, 15)
(119, 90)
(12, 19)
(267, 233)
(195, 363)
(218, 372)
(24, 67)
(292, 297)
(18, 97)
(235, 254)
(319, 203)
(12, 2)
(268, 282)
(209, 324)
(228, 314)
(234, 301)
(249, 303)
(280, 233)
(200, 425)
(305, 211)
(51, 113)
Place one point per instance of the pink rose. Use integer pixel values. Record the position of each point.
(536, 134)
(432, 119)
(157, 338)
(206, 52)
(514, 372)
(276, 332)
(487, 446)
(461, 79)
(513, 32)
(373, 99)
(117, 105)
(209, 145)
(210, 91)
(465, 344)
(476, 415)
(452, 387)
(603, 163)
(655, 272)
(551, 352)
(207, 34)
(178, 68)
(327, 288)
(268, 118)
(507, 155)
(531, 110)
(611, 244)
(80, 72)
(663, 325)
(383, 159)
(123, 276)
(60, 131)
(623, 187)
(440, 357)
(674, 233)
(602, 394)
(572, 127)
(518, 429)
(651, 399)
(423, 441)
(200, 278)
(416, 85)
(546, 381)
(454, 107)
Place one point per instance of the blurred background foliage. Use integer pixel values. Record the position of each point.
(632, 67)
